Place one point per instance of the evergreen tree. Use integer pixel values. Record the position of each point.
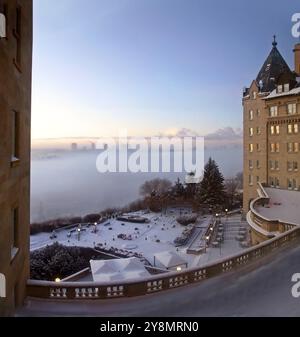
(212, 189)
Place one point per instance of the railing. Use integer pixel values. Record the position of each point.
(270, 225)
(156, 283)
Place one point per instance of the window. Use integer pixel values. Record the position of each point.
(257, 112)
(250, 180)
(14, 231)
(257, 179)
(272, 147)
(254, 94)
(286, 87)
(273, 111)
(251, 148)
(258, 130)
(290, 184)
(251, 115)
(271, 164)
(277, 129)
(276, 165)
(272, 129)
(277, 147)
(271, 181)
(277, 182)
(296, 147)
(17, 34)
(258, 147)
(15, 136)
(279, 89)
(295, 165)
(257, 164)
(250, 164)
(292, 109)
(295, 184)
(251, 132)
(289, 147)
(289, 166)
(290, 128)
(296, 128)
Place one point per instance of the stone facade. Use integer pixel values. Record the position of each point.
(15, 119)
(272, 127)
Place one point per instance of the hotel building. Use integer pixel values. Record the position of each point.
(272, 137)
(15, 107)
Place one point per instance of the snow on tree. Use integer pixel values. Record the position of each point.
(212, 189)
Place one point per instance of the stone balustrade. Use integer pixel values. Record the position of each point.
(160, 282)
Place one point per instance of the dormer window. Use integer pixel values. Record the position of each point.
(279, 89)
(287, 87)
(254, 95)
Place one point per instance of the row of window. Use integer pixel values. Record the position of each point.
(251, 179)
(274, 165)
(275, 130)
(251, 131)
(291, 165)
(292, 184)
(280, 89)
(275, 147)
(251, 147)
(291, 109)
(251, 165)
(291, 147)
(291, 129)
(251, 114)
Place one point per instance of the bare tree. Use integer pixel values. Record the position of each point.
(155, 187)
(231, 186)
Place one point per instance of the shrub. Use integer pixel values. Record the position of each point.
(59, 261)
(185, 220)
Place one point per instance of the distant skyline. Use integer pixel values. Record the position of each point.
(149, 66)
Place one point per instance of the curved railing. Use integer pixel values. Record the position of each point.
(156, 283)
(267, 227)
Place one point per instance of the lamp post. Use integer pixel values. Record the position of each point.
(78, 232)
(206, 242)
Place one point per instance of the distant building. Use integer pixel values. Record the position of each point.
(271, 129)
(15, 117)
(74, 146)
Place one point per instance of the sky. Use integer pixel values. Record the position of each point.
(149, 66)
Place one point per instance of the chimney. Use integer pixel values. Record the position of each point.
(297, 58)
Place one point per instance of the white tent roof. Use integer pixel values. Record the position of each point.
(169, 259)
(117, 269)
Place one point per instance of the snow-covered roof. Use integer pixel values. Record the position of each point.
(192, 179)
(117, 269)
(275, 94)
(169, 259)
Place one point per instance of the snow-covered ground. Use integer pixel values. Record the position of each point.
(148, 238)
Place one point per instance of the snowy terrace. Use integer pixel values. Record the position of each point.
(283, 206)
(148, 239)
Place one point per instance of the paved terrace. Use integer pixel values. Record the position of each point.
(284, 205)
